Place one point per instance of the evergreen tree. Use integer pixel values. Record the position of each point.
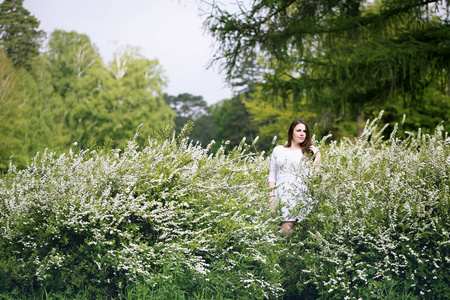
(187, 106)
(348, 58)
(205, 129)
(193, 108)
(233, 121)
(19, 34)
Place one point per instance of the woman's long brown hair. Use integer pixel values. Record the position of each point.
(306, 143)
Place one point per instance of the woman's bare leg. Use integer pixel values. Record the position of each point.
(287, 228)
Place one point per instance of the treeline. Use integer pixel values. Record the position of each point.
(333, 64)
(67, 94)
(70, 96)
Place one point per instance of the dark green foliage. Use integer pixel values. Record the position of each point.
(193, 108)
(19, 34)
(187, 107)
(233, 122)
(349, 59)
(227, 120)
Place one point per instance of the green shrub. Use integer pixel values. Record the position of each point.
(173, 221)
(169, 215)
(381, 216)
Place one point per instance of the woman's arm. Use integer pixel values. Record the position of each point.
(317, 157)
(272, 203)
(273, 179)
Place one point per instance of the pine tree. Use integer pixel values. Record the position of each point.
(19, 34)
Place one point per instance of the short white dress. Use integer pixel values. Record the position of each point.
(287, 169)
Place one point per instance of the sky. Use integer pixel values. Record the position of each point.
(168, 30)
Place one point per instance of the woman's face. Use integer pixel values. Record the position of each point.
(299, 134)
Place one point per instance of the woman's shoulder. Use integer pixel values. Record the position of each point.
(279, 148)
(279, 151)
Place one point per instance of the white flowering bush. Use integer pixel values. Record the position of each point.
(170, 214)
(171, 220)
(380, 226)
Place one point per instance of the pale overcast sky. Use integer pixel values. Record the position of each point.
(168, 30)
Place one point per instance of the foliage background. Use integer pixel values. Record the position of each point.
(381, 55)
(166, 216)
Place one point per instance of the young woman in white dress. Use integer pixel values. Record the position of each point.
(288, 164)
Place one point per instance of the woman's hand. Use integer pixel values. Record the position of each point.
(316, 152)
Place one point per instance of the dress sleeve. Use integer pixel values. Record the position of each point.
(273, 167)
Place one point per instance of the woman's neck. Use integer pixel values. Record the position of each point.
(295, 147)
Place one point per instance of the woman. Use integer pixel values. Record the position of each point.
(288, 165)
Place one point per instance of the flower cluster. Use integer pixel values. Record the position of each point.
(106, 218)
(381, 215)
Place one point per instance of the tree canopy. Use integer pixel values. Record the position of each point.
(69, 95)
(347, 57)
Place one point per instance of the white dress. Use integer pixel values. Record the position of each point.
(287, 169)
